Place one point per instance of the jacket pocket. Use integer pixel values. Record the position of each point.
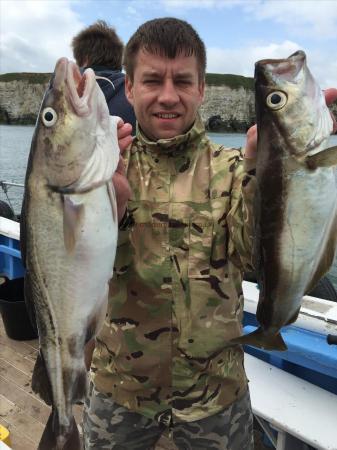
(200, 245)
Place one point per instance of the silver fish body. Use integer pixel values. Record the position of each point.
(296, 199)
(68, 238)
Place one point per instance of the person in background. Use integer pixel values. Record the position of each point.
(99, 47)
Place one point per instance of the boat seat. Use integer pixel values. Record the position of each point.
(292, 406)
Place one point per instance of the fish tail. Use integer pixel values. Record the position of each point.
(59, 437)
(259, 338)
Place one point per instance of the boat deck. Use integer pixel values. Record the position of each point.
(22, 412)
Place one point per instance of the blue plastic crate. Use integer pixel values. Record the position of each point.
(10, 258)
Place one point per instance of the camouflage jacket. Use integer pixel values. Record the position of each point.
(176, 296)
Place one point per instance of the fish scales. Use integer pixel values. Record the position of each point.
(68, 238)
(296, 200)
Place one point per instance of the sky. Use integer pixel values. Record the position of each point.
(237, 33)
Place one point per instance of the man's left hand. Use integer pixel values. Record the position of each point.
(330, 97)
(251, 143)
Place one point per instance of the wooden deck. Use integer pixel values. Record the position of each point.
(21, 411)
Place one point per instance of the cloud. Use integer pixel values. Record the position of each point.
(174, 5)
(34, 34)
(241, 61)
(317, 19)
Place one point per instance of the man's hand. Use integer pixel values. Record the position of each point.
(119, 180)
(251, 143)
(124, 131)
(251, 139)
(330, 97)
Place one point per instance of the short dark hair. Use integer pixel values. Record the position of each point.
(98, 44)
(169, 37)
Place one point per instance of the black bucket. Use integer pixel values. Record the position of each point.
(14, 312)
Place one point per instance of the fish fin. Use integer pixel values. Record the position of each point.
(94, 325)
(260, 339)
(29, 295)
(56, 437)
(325, 158)
(40, 380)
(76, 383)
(326, 260)
(72, 221)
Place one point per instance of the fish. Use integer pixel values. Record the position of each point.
(68, 236)
(295, 208)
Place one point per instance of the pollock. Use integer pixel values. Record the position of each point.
(296, 199)
(68, 239)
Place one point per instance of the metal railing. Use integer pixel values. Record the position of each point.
(5, 186)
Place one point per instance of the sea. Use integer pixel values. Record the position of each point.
(15, 143)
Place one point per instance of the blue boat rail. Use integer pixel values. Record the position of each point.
(310, 354)
(10, 255)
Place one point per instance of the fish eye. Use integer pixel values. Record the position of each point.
(276, 100)
(49, 117)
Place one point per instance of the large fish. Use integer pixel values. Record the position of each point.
(68, 238)
(296, 200)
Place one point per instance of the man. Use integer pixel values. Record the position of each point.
(99, 47)
(176, 297)
(161, 361)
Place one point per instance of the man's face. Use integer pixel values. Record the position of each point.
(165, 93)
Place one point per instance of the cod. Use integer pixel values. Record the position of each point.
(296, 201)
(68, 239)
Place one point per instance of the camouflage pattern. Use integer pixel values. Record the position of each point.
(107, 425)
(176, 296)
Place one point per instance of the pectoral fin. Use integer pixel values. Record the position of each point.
(73, 215)
(325, 158)
(40, 380)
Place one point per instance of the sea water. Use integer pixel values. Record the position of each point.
(15, 143)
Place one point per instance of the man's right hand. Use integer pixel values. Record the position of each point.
(124, 131)
(119, 180)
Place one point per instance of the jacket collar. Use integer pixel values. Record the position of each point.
(179, 145)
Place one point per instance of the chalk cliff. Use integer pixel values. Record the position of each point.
(225, 107)
(20, 98)
(228, 105)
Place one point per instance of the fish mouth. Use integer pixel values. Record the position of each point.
(80, 86)
(292, 76)
(287, 69)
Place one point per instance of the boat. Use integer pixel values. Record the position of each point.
(293, 393)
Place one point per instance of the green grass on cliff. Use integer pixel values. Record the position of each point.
(32, 78)
(232, 81)
(213, 79)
